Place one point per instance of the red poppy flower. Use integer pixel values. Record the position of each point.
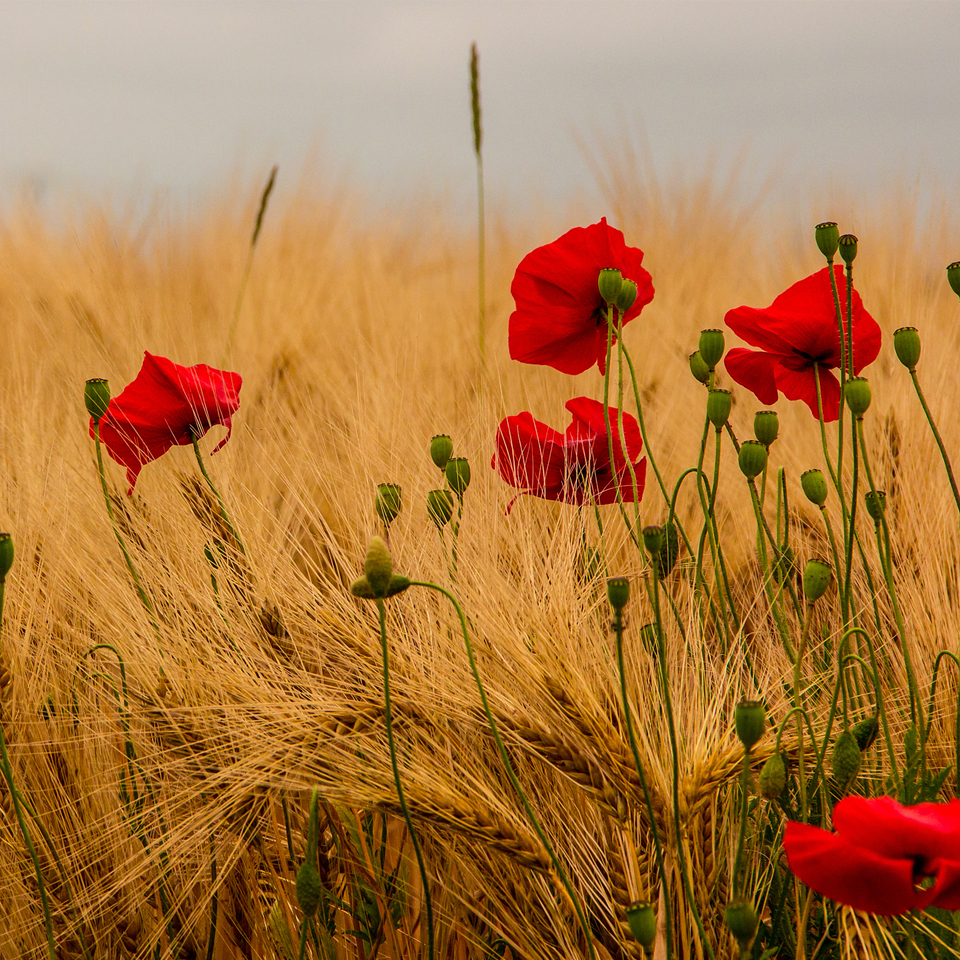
(796, 331)
(883, 856)
(573, 466)
(164, 405)
(560, 320)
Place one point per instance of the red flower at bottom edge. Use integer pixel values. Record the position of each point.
(165, 405)
(883, 855)
(574, 466)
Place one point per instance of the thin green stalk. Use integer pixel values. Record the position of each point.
(478, 151)
(796, 706)
(937, 437)
(623, 438)
(956, 732)
(742, 833)
(843, 364)
(216, 493)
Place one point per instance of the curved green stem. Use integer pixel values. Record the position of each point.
(216, 493)
(937, 437)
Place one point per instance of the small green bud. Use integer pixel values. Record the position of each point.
(698, 368)
(652, 538)
(609, 283)
(865, 732)
(953, 277)
(458, 474)
(361, 588)
(856, 393)
(440, 507)
(618, 593)
(816, 578)
(441, 450)
(719, 403)
(378, 567)
(750, 720)
(643, 923)
(906, 341)
(309, 888)
(627, 296)
(711, 347)
(784, 565)
(845, 760)
(665, 559)
(766, 426)
(388, 502)
(876, 504)
(96, 397)
(847, 244)
(752, 458)
(741, 920)
(828, 236)
(773, 777)
(814, 486)
(6, 555)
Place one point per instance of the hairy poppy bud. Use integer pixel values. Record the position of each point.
(388, 502)
(618, 593)
(750, 720)
(440, 507)
(698, 368)
(665, 558)
(906, 341)
(766, 426)
(845, 760)
(378, 567)
(652, 538)
(865, 732)
(441, 450)
(643, 923)
(828, 235)
(719, 403)
(96, 397)
(711, 347)
(609, 283)
(953, 277)
(627, 296)
(847, 245)
(814, 486)
(773, 777)
(309, 888)
(876, 503)
(741, 920)
(784, 565)
(816, 578)
(458, 474)
(856, 393)
(752, 458)
(6, 555)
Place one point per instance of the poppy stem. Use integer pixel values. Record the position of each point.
(936, 436)
(216, 493)
(742, 832)
(843, 363)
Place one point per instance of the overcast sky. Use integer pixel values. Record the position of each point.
(130, 97)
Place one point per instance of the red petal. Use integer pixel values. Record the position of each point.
(926, 831)
(801, 385)
(589, 419)
(530, 455)
(945, 893)
(755, 371)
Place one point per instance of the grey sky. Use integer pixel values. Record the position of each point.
(129, 97)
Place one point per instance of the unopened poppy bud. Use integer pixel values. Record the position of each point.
(652, 538)
(666, 557)
(309, 888)
(698, 368)
(750, 720)
(643, 923)
(845, 760)
(378, 567)
(441, 450)
(752, 458)
(773, 777)
(711, 347)
(847, 244)
(741, 920)
(906, 341)
(6, 555)
(618, 593)
(816, 578)
(865, 732)
(96, 397)
(856, 394)
(609, 283)
(440, 507)
(876, 504)
(828, 236)
(766, 426)
(458, 474)
(388, 502)
(953, 277)
(814, 486)
(784, 565)
(719, 403)
(627, 296)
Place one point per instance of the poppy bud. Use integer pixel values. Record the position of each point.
(719, 403)
(711, 347)
(378, 567)
(6, 555)
(96, 397)
(906, 341)
(814, 486)
(876, 502)
(953, 276)
(827, 235)
(643, 923)
(665, 558)
(627, 296)
(856, 393)
(698, 368)
(609, 283)
(741, 920)
(784, 565)
(816, 578)
(847, 245)
(652, 538)
(766, 426)
(309, 888)
(458, 474)
(440, 507)
(618, 593)
(752, 458)
(865, 732)
(441, 450)
(845, 760)
(388, 502)
(773, 777)
(750, 720)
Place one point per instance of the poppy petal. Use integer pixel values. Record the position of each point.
(801, 385)
(529, 455)
(755, 371)
(945, 893)
(926, 830)
(589, 419)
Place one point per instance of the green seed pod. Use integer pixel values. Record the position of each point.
(309, 888)
(609, 283)
(865, 732)
(458, 474)
(750, 720)
(96, 397)
(398, 584)
(906, 341)
(618, 593)
(711, 347)
(766, 426)
(741, 920)
(847, 244)
(784, 565)
(814, 486)
(665, 559)
(698, 368)
(856, 393)
(440, 507)
(876, 503)
(652, 538)
(441, 450)
(845, 760)
(388, 502)
(6, 555)
(378, 567)
(773, 777)
(752, 458)
(719, 403)
(953, 277)
(643, 923)
(828, 236)
(816, 578)
(627, 296)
